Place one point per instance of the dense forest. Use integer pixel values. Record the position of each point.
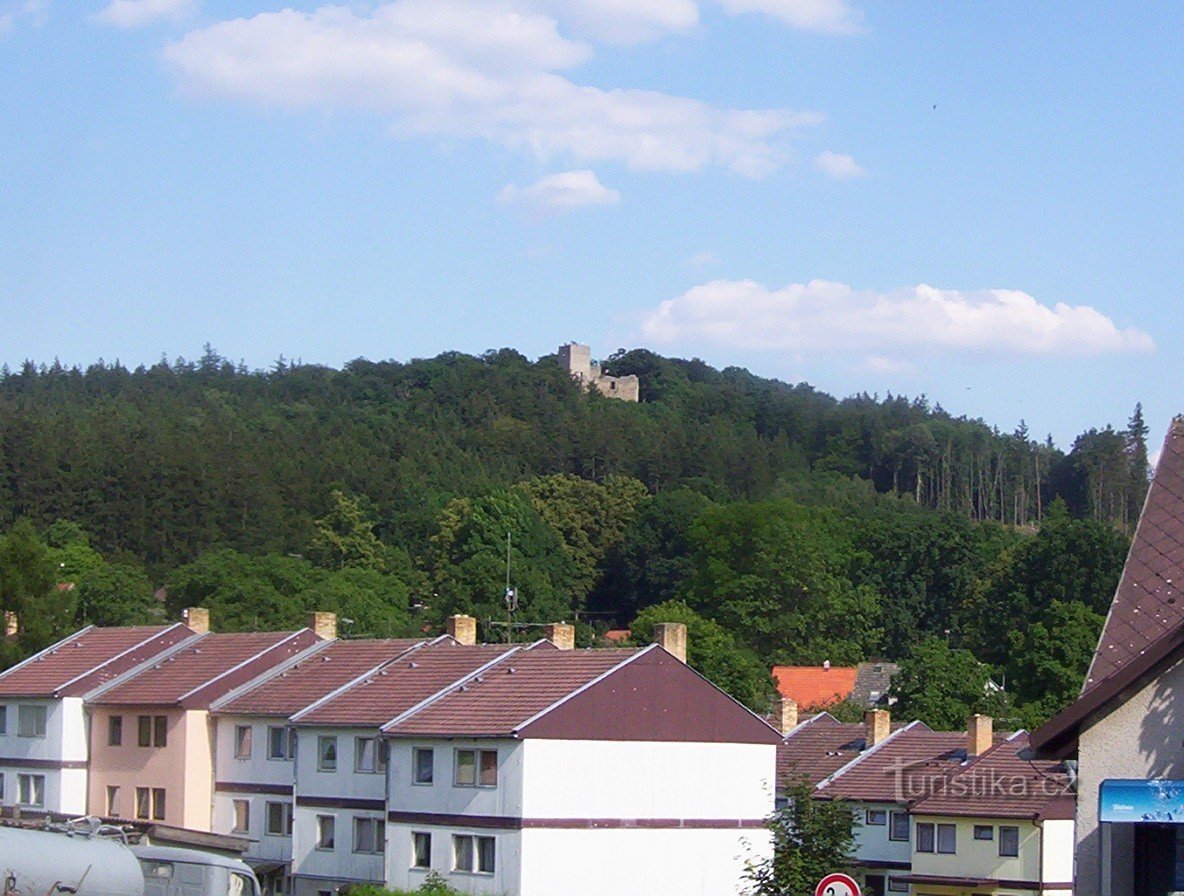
(782, 524)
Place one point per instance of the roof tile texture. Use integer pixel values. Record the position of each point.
(503, 698)
(89, 658)
(818, 748)
(1149, 601)
(333, 665)
(401, 684)
(815, 687)
(207, 669)
(898, 769)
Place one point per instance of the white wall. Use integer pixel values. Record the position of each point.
(1057, 862)
(255, 769)
(872, 843)
(442, 796)
(65, 741)
(507, 859)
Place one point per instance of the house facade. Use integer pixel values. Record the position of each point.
(44, 743)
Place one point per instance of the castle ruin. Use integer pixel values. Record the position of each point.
(577, 360)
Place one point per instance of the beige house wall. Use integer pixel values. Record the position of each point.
(183, 767)
(979, 858)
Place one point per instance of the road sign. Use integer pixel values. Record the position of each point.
(837, 885)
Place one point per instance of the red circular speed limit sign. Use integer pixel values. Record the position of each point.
(837, 885)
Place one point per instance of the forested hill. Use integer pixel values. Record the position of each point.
(796, 523)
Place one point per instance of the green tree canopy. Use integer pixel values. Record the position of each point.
(943, 686)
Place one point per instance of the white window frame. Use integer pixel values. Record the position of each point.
(324, 765)
(287, 743)
(416, 753)
(326, 824)
(377, 835)
(478, 766)
(244, 735)
(242, 817)
(472, 847)
(363, 764)
(418, 837)
(895, 818)
(30, 790)
(113, 791)
(38, 717)
(285, 817)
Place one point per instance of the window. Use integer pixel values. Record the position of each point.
(1009, 841)
(365, 754)
(475, 768)
(424, 765)
(326, 825)
(281, 743)
(947, 839)
(421, 849)
(473, 854)
(984, 832)
(898, 826)
(1, 788)
(30, 789)
(158, 803)
(877, 817)
(326, 754)
(30, 721)
(142, 805)
(924, 837)
(153, 731)
(242, 816)
(3, 719)
(279, 819)
(369, 835)
(112, 801)
(115, 731)
(242, 741)
(897, 885)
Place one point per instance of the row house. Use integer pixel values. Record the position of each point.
(44, 742)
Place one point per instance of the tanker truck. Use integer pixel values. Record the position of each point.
(86, 858)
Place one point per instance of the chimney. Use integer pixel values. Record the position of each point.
(463, 628)
(673, 637)
(197, 618)
(980, 735)
(324, 625)
(877, 725)
(785, 714)
(561, 634)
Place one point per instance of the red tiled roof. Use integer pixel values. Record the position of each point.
(815, 687)
(1004, 782)
(900, 768)
(817, 748)
(502, 699)
(87, 659)
(1149, 601)
(208, 668)
(401, 684)
(617, 635)
(329, 666)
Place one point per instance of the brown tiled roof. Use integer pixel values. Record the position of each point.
(1149, 601)
(1004, 782)
(88, 659)
(207, 669)
(329, 666)
(896, 770)
(401, 684)
(817, 748)
(502, 699)
(814, 687)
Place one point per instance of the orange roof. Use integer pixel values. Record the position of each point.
(814, 687)
(616, 635)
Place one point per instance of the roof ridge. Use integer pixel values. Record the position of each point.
(131, 673)
(260, 680)
(358, 678)
(447, 689)
(838, 773)
(800, 725)
(288, 636)
(93, 669)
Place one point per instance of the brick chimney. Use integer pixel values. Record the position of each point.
(197, 618)
(561, 634)
(877, 725)
(980, 735)
(463, 628)
(785, 714)
(673, 637)
(324, 625)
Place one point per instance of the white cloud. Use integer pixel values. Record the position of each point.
(838, 166)
(137, 13)
(825, 317)
(559, 193)
(623, 21)
(466, 68)
(822, 16)
(879, 364)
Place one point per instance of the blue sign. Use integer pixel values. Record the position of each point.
(1142, 802)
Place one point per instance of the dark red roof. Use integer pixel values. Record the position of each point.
(899, 769)
(815, 687)
(208, 668)
(1004, 782)
(330, 665)
(817, 748)
(1149, 601)
(88, 659)
(401, 684)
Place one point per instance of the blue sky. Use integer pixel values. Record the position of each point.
(978, 202)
